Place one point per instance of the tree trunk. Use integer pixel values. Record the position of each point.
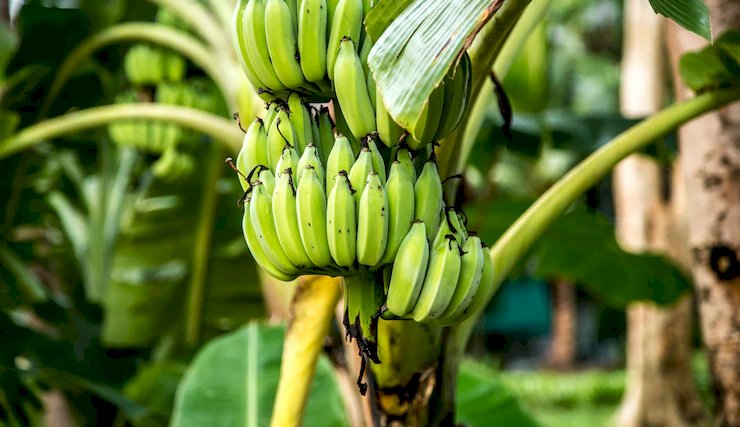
(563, 344)
(660, 389)
(711, 149)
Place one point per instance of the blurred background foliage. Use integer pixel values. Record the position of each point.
(98, 249)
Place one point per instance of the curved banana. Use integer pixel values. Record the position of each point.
(389, 131)
(367, 45)
(341, 222)
(288, 159)
(426, 127)
(255, 42)
(326, 133)
(261, 217)
(267, 178)
(428, 197)
(240, 45)
(400, 210)
(351, 89)
(281, 43)
(301, 121)
(372, 222)
(484, 288)
(311, 204)
(404, 156)
(286, 219)
(409, 269)
(457, 93)
(378, 162)
(253, 152)
(471, 271)
(281, 132)
(346, 22)
(271, 110)
(311, 157)
(360, 171)
(255, 248)
(440, 281)
(312, 39)
(341, 158)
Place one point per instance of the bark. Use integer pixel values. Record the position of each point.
(660, 389)
(711, 149)
(563, 344)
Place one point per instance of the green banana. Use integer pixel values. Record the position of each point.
(346, 22)
(255, 248)
(311, 157)
(485, 287)
(426, 127)
(471, 271)
(341, 222)
(428, 197)
(372, 222)
(404, 156)
(351, 90)
(281, 132)
(378, 162)
(288, 159)
(311, 203)
(253, 152)
(331, 6)
(301, 121)
(261, 218)
(312, 40)
(389, 131)
(440, 281)
(286, 219)
(240, 46)
(457, 94)
(267, 178)
(400, 210)
(367, 45)
(341, 158)
(271, 111)
(326, 133)
(281, 43)
(409, 269)
(360, 171)
(255, 43)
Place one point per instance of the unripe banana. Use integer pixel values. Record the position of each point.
(341, 222)
(404, 156)
(281, 42)
(346, 22)
(388, 130)
(426, 127)
(428, 197)
(311, 157)
(400, 210)
(286, 219)
(301, 121)
(240, 46)
(484, 288)
(281, 132)
(311, 203)
(255, 248)
(360, 171)
(326, 133)
(351, 88)
(312, 39)
(372, 222)
(457, 93)
(471, 271)
(378, 162)
(271, 111)
(288, 159)
(439, 282)
(409, 269)
(255, 41)
(262, 220)
(340, 158)
(331, 6)
(367, 45)
(253, 152)
(448, 224)
(267, 178)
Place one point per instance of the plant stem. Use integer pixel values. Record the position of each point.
(520, 237)
(178, 41)
(200, 20)
(202, 245)
(222, 130)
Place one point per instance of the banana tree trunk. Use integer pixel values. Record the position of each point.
(710, 147)
(564, 315)
(660, 388)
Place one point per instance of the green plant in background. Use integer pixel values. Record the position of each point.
(410, 70)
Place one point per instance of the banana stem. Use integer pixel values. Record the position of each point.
(200, 20)
(222, 130)
(178, 41)
(520, 237)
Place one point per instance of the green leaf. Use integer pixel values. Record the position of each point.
(26, 284)
(233, 380)
(8, 45)
(154, 387)
(382, 15)
(690, 14)
(9, 121)
(484, 400)
(413, 54)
